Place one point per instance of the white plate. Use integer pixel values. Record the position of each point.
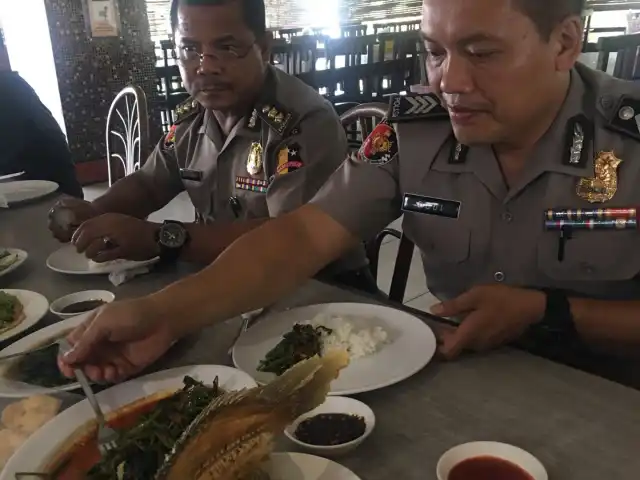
(411, 346)
(16, 389)
(43, 444)
(68, 260)
(35, 307)
(21, 191)
(22, 256)
(11, 176)
(299, 466)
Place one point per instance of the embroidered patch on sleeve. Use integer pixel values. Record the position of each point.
(289, 159)
(170, 139)
(380, 147)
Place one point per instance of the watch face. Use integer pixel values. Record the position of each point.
(172, 235)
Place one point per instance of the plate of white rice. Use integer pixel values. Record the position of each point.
(385, 345)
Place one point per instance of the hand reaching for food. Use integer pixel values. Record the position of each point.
(118, 340)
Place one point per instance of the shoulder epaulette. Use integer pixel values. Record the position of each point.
(626, 117)
(415, 106)
(186, 109)
(278, 119)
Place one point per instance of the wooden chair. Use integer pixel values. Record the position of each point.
(366, 116)
(626, 48)
(364, 83)
(127, 132)
(297, 56)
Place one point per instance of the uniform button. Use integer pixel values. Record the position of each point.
(498, 276)
(507, 217)
(587, 268)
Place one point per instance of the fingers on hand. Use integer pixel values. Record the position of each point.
(84, 338)
(460, 305)
(463, 338)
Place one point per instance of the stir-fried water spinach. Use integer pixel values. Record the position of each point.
(302, 342)
(142, 449)
(40, 368)
(8, 307)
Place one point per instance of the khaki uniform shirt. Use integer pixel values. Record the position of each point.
(470, 228)
(272, 162)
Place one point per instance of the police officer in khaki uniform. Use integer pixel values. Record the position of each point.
(251, 143)
(518, 182)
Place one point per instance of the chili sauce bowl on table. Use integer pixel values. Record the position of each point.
(80, 302)
(489, 461)
(335, 428)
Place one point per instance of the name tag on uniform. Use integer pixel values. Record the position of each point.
(430, 206)
(194, 175)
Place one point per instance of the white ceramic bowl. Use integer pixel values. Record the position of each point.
(336, 404)
(515, 455)
(61, 303)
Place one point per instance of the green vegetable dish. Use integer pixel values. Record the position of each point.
(7, 259)
(40, 368)
(10, 311)
(302, 342)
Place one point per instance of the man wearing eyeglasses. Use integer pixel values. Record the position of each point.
(251, 143)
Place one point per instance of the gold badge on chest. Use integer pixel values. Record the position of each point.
(254, 160)
(603, 185)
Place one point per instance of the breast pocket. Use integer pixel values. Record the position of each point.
(590, 256)
(445, 245)
(253, 204)
(201, 195)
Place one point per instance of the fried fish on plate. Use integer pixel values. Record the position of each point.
(234, 434)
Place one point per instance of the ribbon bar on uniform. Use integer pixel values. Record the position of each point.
(592, 224)
(589, 213)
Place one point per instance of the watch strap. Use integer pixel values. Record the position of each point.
(557, 314)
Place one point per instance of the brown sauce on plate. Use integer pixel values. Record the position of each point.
(487, 468)
(329, 429)
(84, 306)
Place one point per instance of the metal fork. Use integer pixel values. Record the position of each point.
(107, 436)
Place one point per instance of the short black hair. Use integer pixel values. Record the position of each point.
(253, 12)
(547, 14)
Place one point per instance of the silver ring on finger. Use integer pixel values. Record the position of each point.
(108, 243)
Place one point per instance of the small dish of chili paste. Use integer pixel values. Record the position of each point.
(334, 428)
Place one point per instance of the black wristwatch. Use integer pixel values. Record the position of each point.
(558, 318)
(171, 239)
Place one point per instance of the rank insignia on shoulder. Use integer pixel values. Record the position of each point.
(170, 138)
(381, 146)
(186, 109)
(277, 118)
(289, 159)
(626, 117)
(415, 107)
